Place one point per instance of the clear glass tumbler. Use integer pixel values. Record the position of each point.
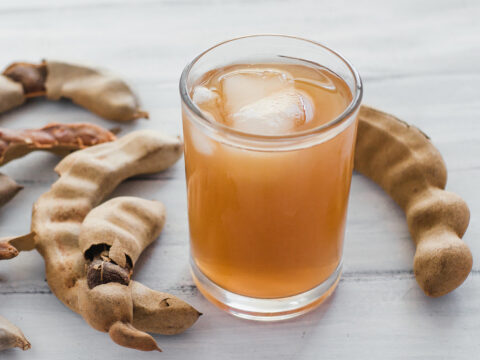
(266, 212)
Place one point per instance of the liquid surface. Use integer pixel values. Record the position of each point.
(268, 224)
(271, 99)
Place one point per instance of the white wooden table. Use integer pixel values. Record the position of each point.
(418, 60)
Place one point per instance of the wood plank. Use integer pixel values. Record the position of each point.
(386, 318)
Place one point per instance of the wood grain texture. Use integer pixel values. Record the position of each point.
(419, 61)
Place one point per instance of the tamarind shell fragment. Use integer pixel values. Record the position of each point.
(11, 246)
(7, 251)
(402, 160)
(11, 336)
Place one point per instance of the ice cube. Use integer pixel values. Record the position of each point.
(208, 101)
(245, 86)
(204, 97)
(279, 113)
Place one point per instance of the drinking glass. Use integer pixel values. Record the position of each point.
(267, 213)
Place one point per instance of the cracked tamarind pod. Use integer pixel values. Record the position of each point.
(403, 161)
(116, 232)
(86, 177)
(96, 90)
(57, 138)
(11, 336)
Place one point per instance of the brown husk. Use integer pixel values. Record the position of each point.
(57, 138)
(403, 161)
(96, 90)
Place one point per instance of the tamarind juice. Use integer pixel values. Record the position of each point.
(267, 190)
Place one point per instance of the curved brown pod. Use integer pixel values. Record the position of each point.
(95, 89)
(60, 139)
(57, 138)
(402, 160)
(116, 231)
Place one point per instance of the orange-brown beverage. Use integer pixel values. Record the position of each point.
(267, 191)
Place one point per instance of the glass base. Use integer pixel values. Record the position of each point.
(264, 309)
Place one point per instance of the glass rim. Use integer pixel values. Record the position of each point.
(201, 119)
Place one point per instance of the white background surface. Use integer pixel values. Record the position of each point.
(419, 60)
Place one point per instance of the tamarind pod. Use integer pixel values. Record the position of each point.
(127, 225)
(11, 336)
(8, 189)
(159, 312)
(57, 138)
(11, 246)
(31, 76)
(96, 90)
(11, 94)
(86, 177)
(402, 160)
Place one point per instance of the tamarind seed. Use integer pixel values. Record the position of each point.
(32, 77)
(102, 272)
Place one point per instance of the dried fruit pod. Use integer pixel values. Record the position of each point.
(8, 189)
(11, 94)
(125, 225)
(11, 336)
(402, 160)
(57, 138)
(86, 177)
(96, 90)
